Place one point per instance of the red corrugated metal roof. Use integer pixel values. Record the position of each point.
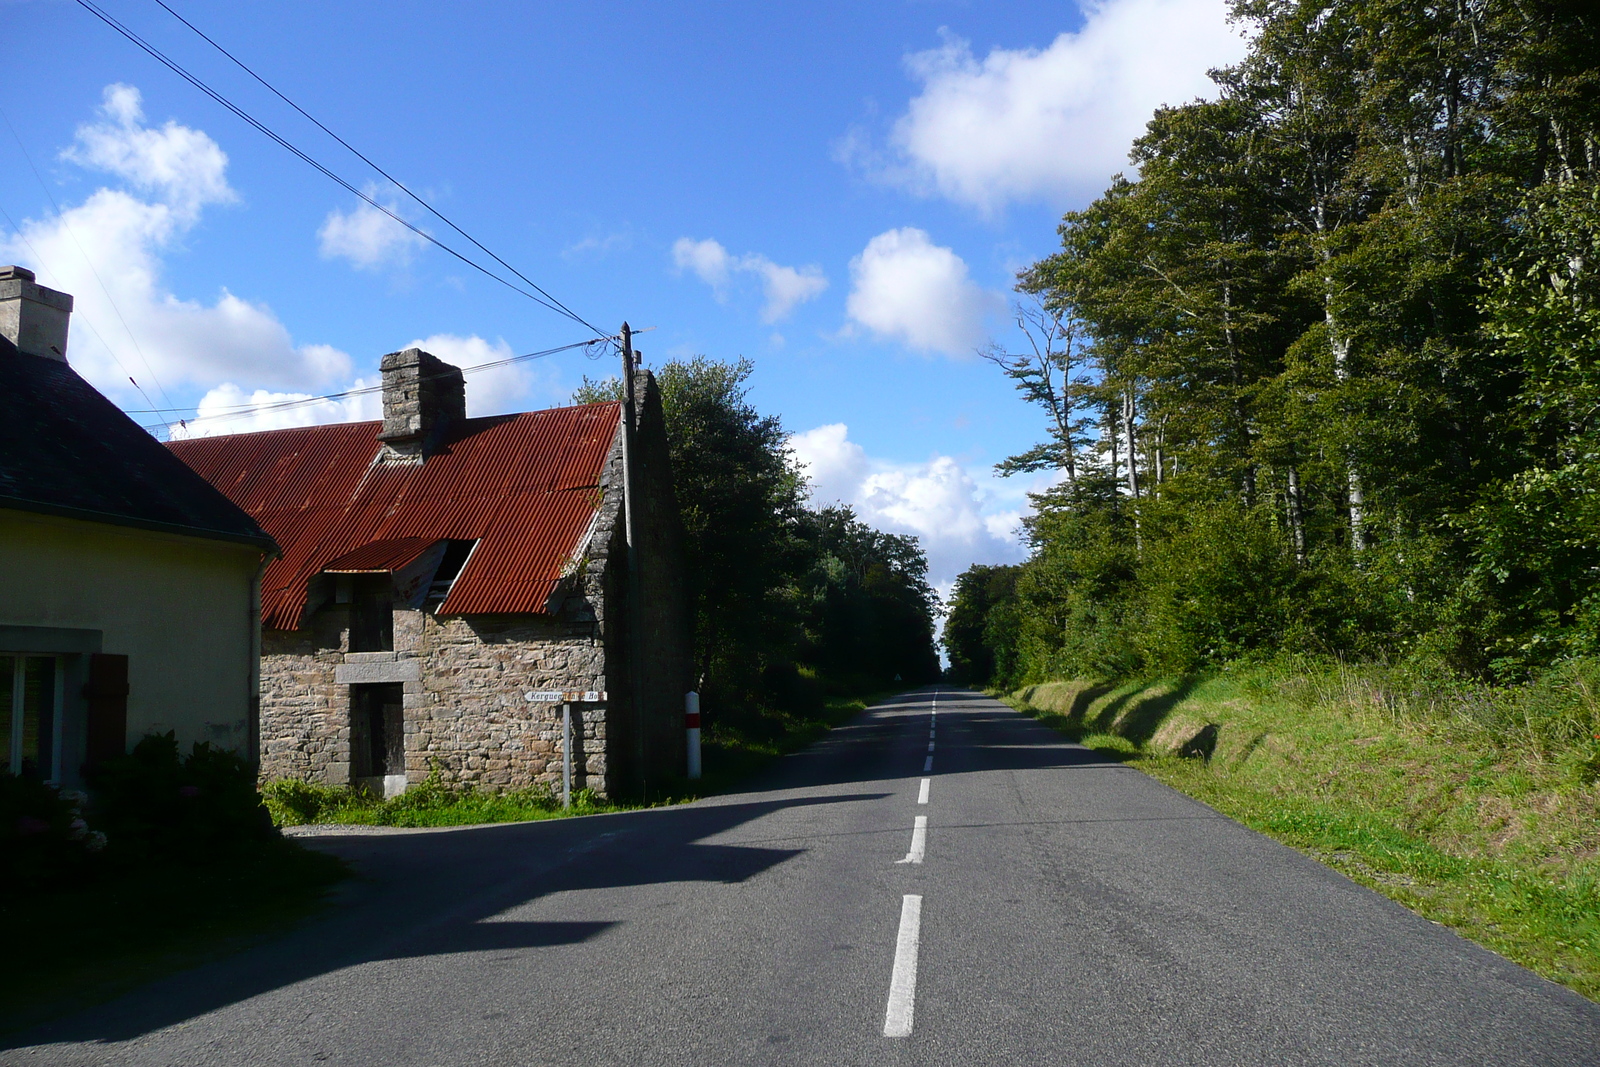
(390, 554)
(525, 487)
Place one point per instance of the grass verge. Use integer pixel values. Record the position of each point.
(430, 803)
(1491, 830)
(730, 753)
(74, 946)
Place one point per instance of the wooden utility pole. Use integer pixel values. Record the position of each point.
(630, 532)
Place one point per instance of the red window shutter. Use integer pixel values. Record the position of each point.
(107, 694)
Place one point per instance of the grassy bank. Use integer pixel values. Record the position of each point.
(731, 753)
(1478, 808)
(735, 751)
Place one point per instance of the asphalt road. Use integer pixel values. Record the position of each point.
(1055, 908)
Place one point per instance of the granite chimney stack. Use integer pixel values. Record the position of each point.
(33, 317)
(424, 401)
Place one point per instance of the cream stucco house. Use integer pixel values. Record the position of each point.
(128, 584)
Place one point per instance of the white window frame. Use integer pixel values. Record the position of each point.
(19, 674)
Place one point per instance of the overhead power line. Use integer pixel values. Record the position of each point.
(538, 296)
(240, 411)
(398, 184)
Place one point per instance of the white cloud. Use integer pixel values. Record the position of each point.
(516, 387)
(707, 260)
(185, 168)
(786, 288)
(367, 237)
(599, 245)
(951, 513)
(107, 252)
(1050, 124)
(228, 409)
(909, 289)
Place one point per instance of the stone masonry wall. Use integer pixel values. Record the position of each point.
(305, 715)
(469, 712)
(466, 710)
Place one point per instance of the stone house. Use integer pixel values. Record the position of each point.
(447, 584)
(128, 584)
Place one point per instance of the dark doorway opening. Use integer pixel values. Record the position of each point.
(372, 613)
(377, 730)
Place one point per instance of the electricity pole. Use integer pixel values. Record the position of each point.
(630, 532)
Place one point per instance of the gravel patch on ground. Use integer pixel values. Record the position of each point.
(339, 829)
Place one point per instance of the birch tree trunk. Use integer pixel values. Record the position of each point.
(1111, 434)
(1297, 519)
(1128, 413)
(1340, 345)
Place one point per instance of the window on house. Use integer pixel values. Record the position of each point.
(29, 701)
(455, 558)
(372, 613)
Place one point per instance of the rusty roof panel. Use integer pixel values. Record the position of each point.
(523, 486)
(392, 554)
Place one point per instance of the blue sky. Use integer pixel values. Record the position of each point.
(840, 191)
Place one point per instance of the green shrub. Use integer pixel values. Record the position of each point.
(1214, 589)
(153, 802)
(44, 839)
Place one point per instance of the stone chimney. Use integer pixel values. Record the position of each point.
(424, 400)
(32, 317)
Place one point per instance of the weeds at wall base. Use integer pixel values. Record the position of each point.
(429, 803)
(730, 755)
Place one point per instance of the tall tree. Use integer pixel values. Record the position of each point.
(1340, 318)
(741, 496)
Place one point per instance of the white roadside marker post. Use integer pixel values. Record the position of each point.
(691, 725)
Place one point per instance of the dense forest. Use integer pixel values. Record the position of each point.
(1321, 374)
(792, 602)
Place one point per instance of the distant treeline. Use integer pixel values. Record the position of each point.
(1324, 376)
(792, 602)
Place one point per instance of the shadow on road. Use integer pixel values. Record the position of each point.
(433, 893)
(436, 893)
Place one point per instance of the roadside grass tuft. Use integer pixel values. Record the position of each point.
(429, 803)
(732, 752)
(729, 755)
(1476, 807)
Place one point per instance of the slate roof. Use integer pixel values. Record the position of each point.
(66, 450)
(525, 487)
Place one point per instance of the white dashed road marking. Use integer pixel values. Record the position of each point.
(919, 841)
(922, 794)
(903, 983)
